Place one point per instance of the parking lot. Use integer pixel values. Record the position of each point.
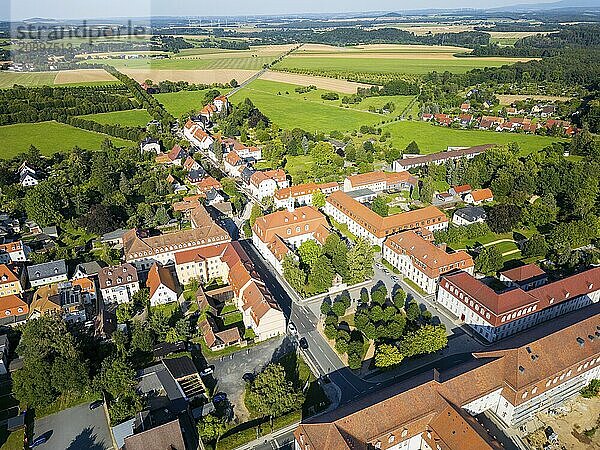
(77, 428)
(228, 370)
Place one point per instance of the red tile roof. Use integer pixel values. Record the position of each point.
(480, 195)
(523, 273)
(286, 224)
(13, 306)
(159, 275)
(200, 254)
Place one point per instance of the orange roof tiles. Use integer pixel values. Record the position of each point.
(430, 259)
(233, 158)
(160, 275)
(10, 247)
(523, 273)
(200, 254)
(208, 183)
(365, 179)
(7, 275)
(13, 305)
(462, 189)
(385, 226)
(287, 224)
(480, 195)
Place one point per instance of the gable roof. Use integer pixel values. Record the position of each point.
(523, 273)
(14, 305)
(287, 224)
(48, 269)
(7, 275)
(160, 276)
(110, 277)
(162, 437)
(482, 194)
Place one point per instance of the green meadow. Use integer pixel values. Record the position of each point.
(209, 61)
(432, 138)
(50, 137)
(129, 118)
(8, 79)
(182, 102)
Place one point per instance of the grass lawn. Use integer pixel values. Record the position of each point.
(231, 318)
(168, 308)
(178, 103)
(50, 137)
(307, 111)
(388, 65)
(11, 441)
(8, 79)
(130, 118)
(432, 138)
(66, 402)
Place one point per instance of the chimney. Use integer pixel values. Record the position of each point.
(436, 375)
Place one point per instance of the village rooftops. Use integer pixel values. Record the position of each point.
(389, 178)
(423, 160)
(7, 275)
(288, 224)
(524, 273)
(46, 270)
(480, 195)
(300, 190)
(498, 308)
(277, 175)
(427, 257)
(384, 226)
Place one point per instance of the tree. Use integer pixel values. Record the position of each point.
(141, 338)
(318, 199)
(161, 217)
(399, 299)
(117, 377)
(233, 83)
(360, 261)
(42, 203)
(415, 193)
(309, 252)
(293, 274)
(124, 312)
(387, 355)
(427, 189)
(99, 220)
(427, 339)
(489, 260)
(125, 407)
(413, 311)
(320, 278)
(255, 213)
(271, 394)
(536, 245)
(412, 148)
(211, 428)
(338, 308)
(504, 218)
(325, 307)
(380, 206)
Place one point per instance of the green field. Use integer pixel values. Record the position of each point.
(8, 79)
(178, 103)
(209, 61)
(50, 137)
(432, 138)
(387, 65)
(308, 111)
(130, 118)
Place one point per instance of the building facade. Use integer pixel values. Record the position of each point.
(118, 284)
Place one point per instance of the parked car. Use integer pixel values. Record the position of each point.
(206, 372)
(96, 404)
(303, 343)
(220, 397)
(248, 377)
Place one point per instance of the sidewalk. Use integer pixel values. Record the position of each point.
(269, 437)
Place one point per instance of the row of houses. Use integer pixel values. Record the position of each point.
(512, 381)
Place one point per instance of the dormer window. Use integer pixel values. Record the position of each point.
(108, 282)
(119, 280)
(56, 270)
(391, 439)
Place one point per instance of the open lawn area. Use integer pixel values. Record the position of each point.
(308, 111)
(207, 61)
(8, 79)
(433, 139)
(50, 137)
(80, 77)
(178, 103)
(130, 118)
(297, 166)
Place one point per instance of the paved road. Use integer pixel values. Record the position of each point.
(75, 428)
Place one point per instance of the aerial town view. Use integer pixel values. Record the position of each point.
(309, 225)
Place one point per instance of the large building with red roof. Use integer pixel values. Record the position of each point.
(513, 380)
(301, 194)
(527, 300)
(279, 233)
(380, 181)
(265, 183)
(365, 223)
(421, 261)
(202, 264)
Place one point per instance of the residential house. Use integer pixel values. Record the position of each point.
(479, 196)
(199, 138)
(421, 261)
(177, 185)
(208, 112)
(208, 183)
(201, 264)
(191, 164)
(513, 381)
(410, 162)
(213, 197)
(216, 339)
(444, 197)
(249, 154)
(196, 176)
(15, 310)
(166, 436)
(246, 174)
(465, 107)
(279, 233)
(28, 179)
(113, 238)
(460, 191)
(468, 216)
(426, 117)
(47, 273)
(487, 122)
(10, 284)
(143, 252)
(543, 110)
(260, 311)
(161, 283)
(380, 181)
(177, 155)
(364, 222)
(222, 104)
(13, 252)
(524, 277)
(301, 194)
(150, 145)
(465, 119)
(62, 299)
(529, 301)
(118, 284)
(264, 184)
(233, 164)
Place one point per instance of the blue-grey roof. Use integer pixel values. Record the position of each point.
(157, 378)
(471, 213)
(361, 193)
(45, 270)
(111, 235)
(122, 431)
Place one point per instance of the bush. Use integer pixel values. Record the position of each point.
(330, 96)
(330, 331)
(591, 390)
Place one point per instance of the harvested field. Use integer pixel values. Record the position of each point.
(328, 84)
(191, 76)
(82, 76)
(508, 99)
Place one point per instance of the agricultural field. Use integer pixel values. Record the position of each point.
(408, 59)
(130, 118)
(50, 137)
(328, 84)
(63, 77)
(182, 102)
(432, 138)
(288, 109)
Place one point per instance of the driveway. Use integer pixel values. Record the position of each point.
(75, 428)
(230, 369)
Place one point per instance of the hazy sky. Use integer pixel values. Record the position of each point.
(21, 9)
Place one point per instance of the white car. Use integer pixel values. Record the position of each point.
(206, 372)
(292, 328)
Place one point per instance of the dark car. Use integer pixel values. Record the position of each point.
(303, 344)
(96, 404)
(220, 397)
(248, 377)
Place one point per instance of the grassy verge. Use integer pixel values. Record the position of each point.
(415, 287)
(11, 441)
(67, 401)
(388, 266)
(343, 228)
